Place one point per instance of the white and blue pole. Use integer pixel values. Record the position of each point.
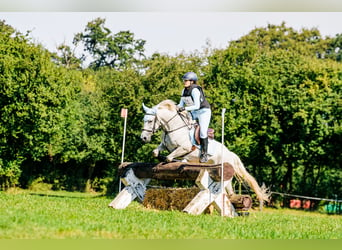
(222, 169)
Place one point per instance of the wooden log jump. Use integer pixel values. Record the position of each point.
(176, 170)
(137, 175)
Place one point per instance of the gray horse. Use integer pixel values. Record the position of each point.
(176, 139)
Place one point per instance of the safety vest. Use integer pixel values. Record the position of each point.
(188, 98)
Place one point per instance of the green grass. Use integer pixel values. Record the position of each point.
(63, 215)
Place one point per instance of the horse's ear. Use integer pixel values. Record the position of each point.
(148, 110)
(145, 108)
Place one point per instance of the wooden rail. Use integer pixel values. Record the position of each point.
(136, 176)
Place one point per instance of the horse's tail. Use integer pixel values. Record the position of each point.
(243, 175)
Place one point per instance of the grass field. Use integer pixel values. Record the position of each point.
(64, 215)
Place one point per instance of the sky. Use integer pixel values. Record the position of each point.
(167, 32)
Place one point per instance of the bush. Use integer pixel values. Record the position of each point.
(39, 185)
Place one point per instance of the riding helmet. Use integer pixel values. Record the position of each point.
(190, 76)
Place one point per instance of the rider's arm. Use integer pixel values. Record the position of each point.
(196, 95)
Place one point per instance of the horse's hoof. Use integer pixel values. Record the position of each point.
(161, 158)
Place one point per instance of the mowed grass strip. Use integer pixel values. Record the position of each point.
(65, 215)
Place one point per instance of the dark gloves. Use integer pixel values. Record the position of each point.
(181, 109)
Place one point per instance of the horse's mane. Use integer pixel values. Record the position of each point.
(167, 104)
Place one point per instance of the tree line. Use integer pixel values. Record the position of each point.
(60, 120)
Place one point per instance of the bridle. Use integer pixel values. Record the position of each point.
(153, 130)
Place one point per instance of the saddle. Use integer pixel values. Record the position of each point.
(211, 133)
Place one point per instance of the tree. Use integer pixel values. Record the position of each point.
(282, 102)
(118, 50)
(281, 88)
(66, 56)
(163, 76)
(34, 98)
(334, 50)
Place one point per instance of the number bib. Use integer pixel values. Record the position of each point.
(187, 101)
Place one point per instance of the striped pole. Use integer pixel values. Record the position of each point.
(124, 113)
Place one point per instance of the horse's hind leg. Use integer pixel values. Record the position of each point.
(229, 188)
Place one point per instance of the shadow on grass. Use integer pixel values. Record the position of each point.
(68, 195)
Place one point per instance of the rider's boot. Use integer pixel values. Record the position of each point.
(204, 150)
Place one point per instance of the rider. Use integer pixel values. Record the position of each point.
(195, 102)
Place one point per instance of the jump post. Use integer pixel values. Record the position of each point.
(137, 175)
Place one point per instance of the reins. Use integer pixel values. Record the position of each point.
(164, 126)
(173, 130)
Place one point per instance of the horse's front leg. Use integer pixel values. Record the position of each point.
(180, 151)
(161, 147)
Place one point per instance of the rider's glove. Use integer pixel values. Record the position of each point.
(181, 109)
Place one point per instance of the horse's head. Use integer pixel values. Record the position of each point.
(166, 116)
(151, 123)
